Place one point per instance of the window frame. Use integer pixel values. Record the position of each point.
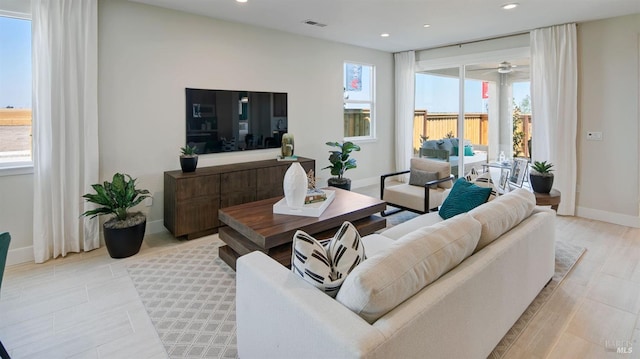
(18, 167)
(371, 102)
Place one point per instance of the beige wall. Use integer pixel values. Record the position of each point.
(148, 55)
(608, 95)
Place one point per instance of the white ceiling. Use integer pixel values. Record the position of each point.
(360, 22)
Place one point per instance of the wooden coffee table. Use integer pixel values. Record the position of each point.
(254, 227)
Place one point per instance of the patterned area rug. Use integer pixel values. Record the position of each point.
(566, 257)
(190, 298)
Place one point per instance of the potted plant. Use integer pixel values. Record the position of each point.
(188, 158)
(541, 177)
(124, 232)
(340, 163)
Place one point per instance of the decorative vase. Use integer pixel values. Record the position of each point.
(295, 185)
(287, 145)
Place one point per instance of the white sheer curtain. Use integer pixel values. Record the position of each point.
(554, 101)
(405, 98)
(65, 125)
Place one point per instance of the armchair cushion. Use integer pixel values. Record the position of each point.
(443, 169)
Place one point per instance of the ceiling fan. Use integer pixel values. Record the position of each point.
(506, 67)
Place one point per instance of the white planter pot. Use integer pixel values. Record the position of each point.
(295, 185)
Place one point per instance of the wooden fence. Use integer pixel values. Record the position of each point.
(357, 122)
(476, 127)
(437, 126)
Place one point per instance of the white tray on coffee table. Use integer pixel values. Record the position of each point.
(308, 210)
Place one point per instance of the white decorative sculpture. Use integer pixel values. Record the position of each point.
(295, 185)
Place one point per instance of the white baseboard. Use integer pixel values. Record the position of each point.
(25, 254)
(20, 255)
(609, 217)
(155, 227)
(365, 182)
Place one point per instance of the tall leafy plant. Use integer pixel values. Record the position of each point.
(115, 197)
(340, 159)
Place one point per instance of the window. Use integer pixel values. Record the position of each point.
(359, 101)
(15, 92)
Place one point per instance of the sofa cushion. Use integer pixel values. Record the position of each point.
(424, 220)
(443, 169)
(326, 268)
(375, 243)
(464, 196)
(445, 144)
(392, 276)
(502, 214)
(419, 178)
(430, 144)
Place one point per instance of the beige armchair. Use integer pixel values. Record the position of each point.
(427, 181)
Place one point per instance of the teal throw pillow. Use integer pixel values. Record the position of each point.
(464, 196)
(468, 151)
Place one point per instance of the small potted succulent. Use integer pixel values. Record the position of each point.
(340, 163)
(124, 232)
(188, 158)
(541, 177)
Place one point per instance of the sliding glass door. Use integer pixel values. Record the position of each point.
(469, 110)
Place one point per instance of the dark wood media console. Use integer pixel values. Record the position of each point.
(192, 200)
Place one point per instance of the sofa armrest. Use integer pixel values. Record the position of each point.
(279, 315)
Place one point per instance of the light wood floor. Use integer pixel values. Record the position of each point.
(85, 305)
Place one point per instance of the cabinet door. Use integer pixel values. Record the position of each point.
(270, 181)
(196, 215)
(188, 188)
(237, 187)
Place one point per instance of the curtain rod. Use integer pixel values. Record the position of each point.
(460, 44)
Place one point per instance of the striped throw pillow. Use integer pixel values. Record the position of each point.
(326, 265)
(484, 180)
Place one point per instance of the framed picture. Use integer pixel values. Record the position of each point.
(518, 171)
(504, 178)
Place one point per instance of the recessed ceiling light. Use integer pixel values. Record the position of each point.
(426, 25)
(243, 1)
(384, 35)
(510, 6)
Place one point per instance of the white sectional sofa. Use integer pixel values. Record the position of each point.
(462, 314)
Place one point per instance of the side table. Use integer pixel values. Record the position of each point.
(548, 199)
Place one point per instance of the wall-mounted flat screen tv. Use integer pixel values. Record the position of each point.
(230, 120)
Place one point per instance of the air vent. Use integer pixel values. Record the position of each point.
(314, 23)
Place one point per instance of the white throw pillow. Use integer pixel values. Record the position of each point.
(502, 214)
(395, 274)
(326, 268)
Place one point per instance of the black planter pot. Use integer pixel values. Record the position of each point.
(541, 184)
(343, 183)
(124, 242)
(188, 164)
